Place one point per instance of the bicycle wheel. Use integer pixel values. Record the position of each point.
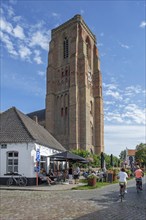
(22, 181)
(122, 193)
(9, 182)
(137, 187)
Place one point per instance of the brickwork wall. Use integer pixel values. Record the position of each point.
(74, 105)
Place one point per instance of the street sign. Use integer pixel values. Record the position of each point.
(38, 155)
(36, 169)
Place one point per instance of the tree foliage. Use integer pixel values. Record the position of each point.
(140, 154)
(81, 153)
(123, 155)
(95, 159)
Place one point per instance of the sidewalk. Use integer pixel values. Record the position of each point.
(57, 187)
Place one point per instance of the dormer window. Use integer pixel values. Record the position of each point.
(65, 48)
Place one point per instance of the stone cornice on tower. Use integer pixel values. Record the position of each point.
(77, 18)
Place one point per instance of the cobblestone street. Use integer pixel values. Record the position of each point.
(97, 204)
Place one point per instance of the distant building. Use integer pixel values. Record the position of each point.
(74, 101)
(20, 138)
(38, 116)
(130, 156)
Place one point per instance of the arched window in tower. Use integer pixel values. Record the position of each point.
(91, 132)
(88, 50)
(66, 111)
(91, 108)
(61, 112)
(62, 73)
(65, 48)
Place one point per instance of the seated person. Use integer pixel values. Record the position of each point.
(42, 176)
(52, 175)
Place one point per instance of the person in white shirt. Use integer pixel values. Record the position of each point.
(122, 175)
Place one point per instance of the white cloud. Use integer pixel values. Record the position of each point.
(135, 113)
(10, 11)
(22, 38)
(39, 39)
(18, 32)
(142, 24)
(99, 44)
(37, 57)
(113, 117)
(6, 26)
(16, 18)
(8, 44)
(55, 15)
(41, 73)
(127, 100)
(132, 90)
(9, 29)
(117, 138)
(110, 86)
(118, 106)
(82, 11)
(24, 52)
(125, 46)
(38, 60)
(109, 102)
(115, 94)
(102, 54)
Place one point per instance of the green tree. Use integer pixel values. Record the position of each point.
(140, 146)
(81, 153)
(140, 154)
(108, 160)
(123, 155)
(95, 159)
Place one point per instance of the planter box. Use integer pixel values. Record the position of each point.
(92, 182)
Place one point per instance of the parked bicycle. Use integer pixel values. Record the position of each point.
(17, 179)
(122, 191)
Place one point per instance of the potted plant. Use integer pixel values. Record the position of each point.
(92, 178)
(128, 171)
(115, 173)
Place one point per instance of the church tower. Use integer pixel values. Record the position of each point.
(74, 103)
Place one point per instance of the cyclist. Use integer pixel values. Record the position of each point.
(138, 175)
(122, 176)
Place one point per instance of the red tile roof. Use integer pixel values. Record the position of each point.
(131, 152)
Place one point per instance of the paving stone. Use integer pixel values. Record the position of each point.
(54, 203)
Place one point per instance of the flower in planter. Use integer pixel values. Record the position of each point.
(92, 176)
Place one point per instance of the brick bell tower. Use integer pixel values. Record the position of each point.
(74, 103)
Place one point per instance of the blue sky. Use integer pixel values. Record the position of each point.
(119, 27)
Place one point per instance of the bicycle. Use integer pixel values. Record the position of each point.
(122, 190)
(20, 180)
(138, 184)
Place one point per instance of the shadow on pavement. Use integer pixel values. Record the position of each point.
(109, 206)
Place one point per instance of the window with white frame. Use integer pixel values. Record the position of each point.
(12, 162)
